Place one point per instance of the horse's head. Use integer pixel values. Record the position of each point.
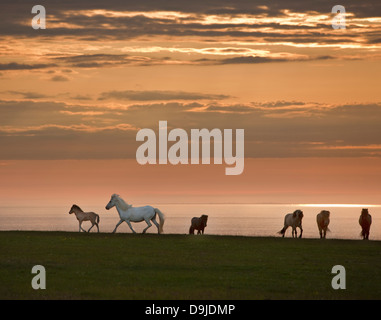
(364, 212)
(325, 213)
(298, 214)
(112, 202)
(204, 219)
(72, 209)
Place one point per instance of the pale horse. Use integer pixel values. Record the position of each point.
(85, 216)
(130, 214)
(322, 220)
(293, 220)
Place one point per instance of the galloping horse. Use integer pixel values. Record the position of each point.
(294, 220)
(84, 216)
(322, 220)
(129, 214)
(198, 224)
(365, 222)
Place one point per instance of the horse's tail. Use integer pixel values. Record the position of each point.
(282, 231)
(191, 230)
(161, 218)
(97, 218)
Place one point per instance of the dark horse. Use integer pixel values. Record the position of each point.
(365, 222)
(198, 224)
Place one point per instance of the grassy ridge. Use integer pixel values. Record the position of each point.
(128, 266)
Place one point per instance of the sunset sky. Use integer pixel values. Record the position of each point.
(73, 97)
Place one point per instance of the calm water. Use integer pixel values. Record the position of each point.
(224, 219)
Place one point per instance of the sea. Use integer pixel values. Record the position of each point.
(253, 220)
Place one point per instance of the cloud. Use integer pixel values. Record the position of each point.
(24, 66)
(93, 60)
(47, 128)
(159, 95)
(264, 59)
(283, 22)
(250, 60)
(272, 129)
(48, 142)
(197, 33)
(27, 94)
(81, 97)
(108, 60)
(59, 78)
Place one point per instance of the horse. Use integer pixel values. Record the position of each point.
(365, 222)
(130, 214)
(84, 216)
(198, 224)
(322, 220)
(294, 220)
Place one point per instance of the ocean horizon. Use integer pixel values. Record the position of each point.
(261, 220)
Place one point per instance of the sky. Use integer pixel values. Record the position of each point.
(74, 95)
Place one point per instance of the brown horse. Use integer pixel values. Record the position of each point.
(322, 220)
(365, 222)
(198, 224)
(84, 216)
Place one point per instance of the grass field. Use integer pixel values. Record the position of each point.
(128, 266)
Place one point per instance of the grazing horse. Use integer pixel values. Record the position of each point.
(365, 222)
(322, 220)
(198, 224)
(294, 220)
(84, 216)
(129, 214)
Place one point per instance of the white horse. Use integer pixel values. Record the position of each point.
(129, 214)
(294, 220)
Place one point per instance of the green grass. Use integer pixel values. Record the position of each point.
(128, 266)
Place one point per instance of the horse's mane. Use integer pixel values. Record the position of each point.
(300, 214)
(122, 204)
(76, 207)
(325, 213)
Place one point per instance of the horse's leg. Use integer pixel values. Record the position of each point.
(117, 225)
(80, 227)
(156, 224)
(301, 231)
(92, 225)
(294, 232)
(129, 224)
(149, 224)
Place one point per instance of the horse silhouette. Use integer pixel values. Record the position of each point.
(293, 220)
(365, 221)
(198, 224)
(322, 220)
(85, 216)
